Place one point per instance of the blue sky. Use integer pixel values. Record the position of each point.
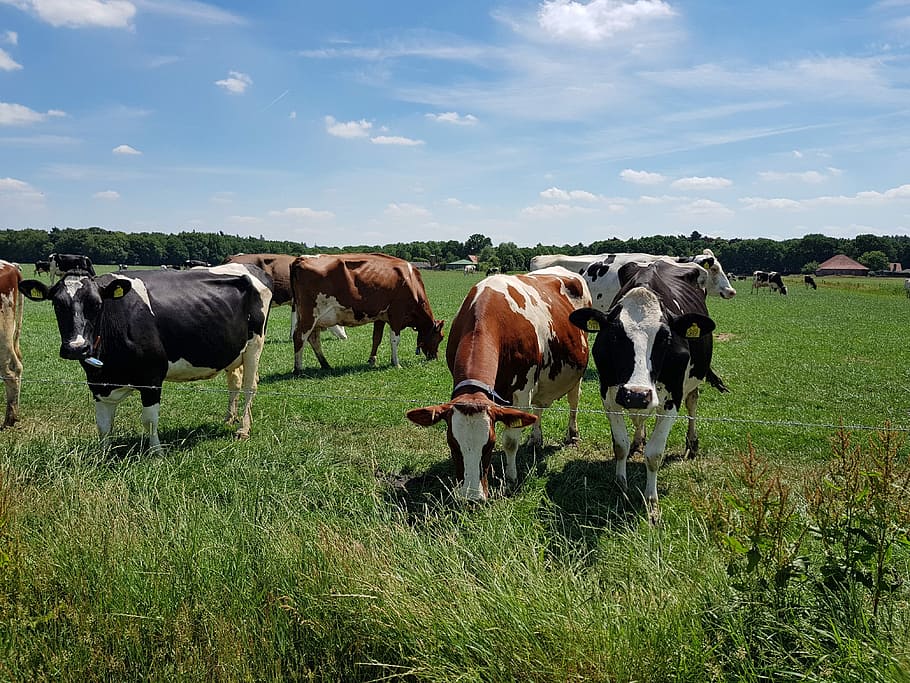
(364, 122)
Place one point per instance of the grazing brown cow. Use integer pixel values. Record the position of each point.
(10, 326)
(278, 267)
(356, 289)
(511, 344)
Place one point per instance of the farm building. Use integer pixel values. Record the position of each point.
(460, 264)
(841, 265)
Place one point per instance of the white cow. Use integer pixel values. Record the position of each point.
(907, 286)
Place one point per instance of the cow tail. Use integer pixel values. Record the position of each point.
(716, 382)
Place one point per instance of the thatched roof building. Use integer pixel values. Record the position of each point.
(841, 265)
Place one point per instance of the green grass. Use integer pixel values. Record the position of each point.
(326, 546)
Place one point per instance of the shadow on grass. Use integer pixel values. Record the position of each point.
(133, 446)
(318, 373)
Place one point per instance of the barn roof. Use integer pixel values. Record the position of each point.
(841, 262)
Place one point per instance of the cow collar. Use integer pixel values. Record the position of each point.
(485, 388)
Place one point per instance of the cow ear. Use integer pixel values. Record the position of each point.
(707, 263)
(34, 290)
(587, 319)
(439, 325)
(116, 289)
(692, 325)
(426, 417)
(512, 417)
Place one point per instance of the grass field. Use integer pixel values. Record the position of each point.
(326, 547)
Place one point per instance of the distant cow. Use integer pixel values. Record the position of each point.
(194, 263)
(652, 351)
(123, 266)
(10, 327)
(907, 287)
(470, 269)
(134, 332)
(356, 289)
(809, 281)
(772, 281)
(278, 267)
(602, 272)
(58, 264)
(42, 267)
(493, 270)
(511, 344)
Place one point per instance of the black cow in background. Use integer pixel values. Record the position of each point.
(772, 281)
(809, 281)
(60, 264)
(42, 267)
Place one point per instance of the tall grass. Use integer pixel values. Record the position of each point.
(327, 546)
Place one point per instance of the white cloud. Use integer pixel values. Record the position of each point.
(7, 63)
(80, 13)
(107, 195)
(192, 10)
(452, 201)
(351, 129)
(598, 19)
(663, 199)
(302, 213)
(699, 183)
(811, 177)
(292, 115)
(10, 37)
(705, 207)
(551, 210)
(454, 117)
(126, 150)
(20, 115)
(641, 177)
(236, 83)
(771, 203)
(13, 190)
(405, 210)
(395, 140)
(222, 198)
(245, 220)
(556, 194)
(797, 154)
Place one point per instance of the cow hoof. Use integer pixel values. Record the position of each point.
(372, 362)
(653, 514)
(572, 440)
(241, 435)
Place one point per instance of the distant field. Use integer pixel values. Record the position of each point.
(326, 548)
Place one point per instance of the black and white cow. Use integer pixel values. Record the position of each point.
(602, 272)
(42, 267)
(772, 281)
(58, 264)
(134, 332)
(809, 281)
(652, 351)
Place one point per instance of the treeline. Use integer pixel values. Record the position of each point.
(737, 255)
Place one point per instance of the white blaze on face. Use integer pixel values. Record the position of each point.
(472, 433)
(640, 318)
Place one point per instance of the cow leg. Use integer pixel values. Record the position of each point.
(573, 398)
(654, 453)
(620, 435)
(293, 320)
(378, 328)
(394, 339)
(151, 406)
(511, 438)
(234, 381)
(105, 410)
(12, 379)
(249, 372)
(316, 343)
(692, 431)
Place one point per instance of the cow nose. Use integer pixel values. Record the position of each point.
(728, 293)
(75, 351)
(633, 397)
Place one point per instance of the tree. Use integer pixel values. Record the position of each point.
(476, 243)
(809, 268)
(874, 260)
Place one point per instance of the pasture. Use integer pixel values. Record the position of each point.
(326, 547)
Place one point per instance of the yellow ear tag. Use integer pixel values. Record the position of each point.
(118, 292)
(593, 326)
(36, 293)
(693, 332)
(515, 423)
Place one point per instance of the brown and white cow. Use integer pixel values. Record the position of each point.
(278, 267)
(511, 344)
(356, 289)
(10, 326)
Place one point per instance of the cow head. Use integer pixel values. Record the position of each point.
(470, 432)
(635, 341)
(78, 305)
(717, 282)
(429, 339)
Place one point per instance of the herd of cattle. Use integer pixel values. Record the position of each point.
(517, 344)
